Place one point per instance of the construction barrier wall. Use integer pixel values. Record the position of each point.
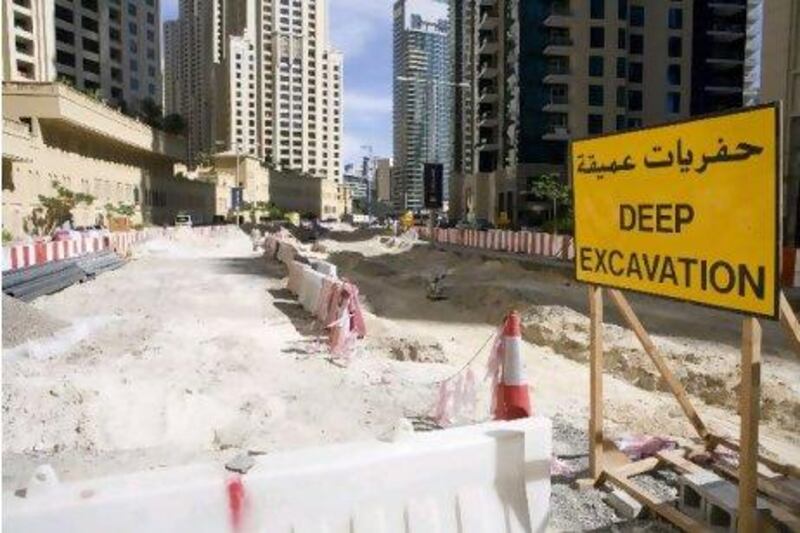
(492, 477)
(519, 242)
(44, 251)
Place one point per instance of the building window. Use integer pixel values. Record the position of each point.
(151, 18)
(674, 74)
(598, 9)
(635, 100)
(622, 67)
(635, 72)
(673, 103)
(637, 43)
(637, 16)
(65, 36)
(620, 122)
(595, 124)
(595, 66)
(622, 10)
(596, 95)
(65, 58)
(132, 28)
(675, 18)
(91, 45)
(621, 41)
(675, 47)
(89, 24)
(134, 65)
(621, 96)
(64, 13)
(634, 123)
(131, 9)
(597, 37)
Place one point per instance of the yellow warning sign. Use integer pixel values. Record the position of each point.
(690, 210)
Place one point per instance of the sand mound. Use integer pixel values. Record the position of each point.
(707, 370)
(416, 351)
(23, 322)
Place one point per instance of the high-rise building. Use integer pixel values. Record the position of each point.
(100, 46)
(383, 179)
(594, 67)
(423, 97)
(272, 83)
(718, 58)
(172, 66)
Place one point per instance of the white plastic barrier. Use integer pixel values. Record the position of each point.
(492, 477)
(310, 289)
(329, 269)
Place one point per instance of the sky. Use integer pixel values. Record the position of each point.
(362, 30)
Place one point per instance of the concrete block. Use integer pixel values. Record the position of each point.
(709, 498)
(624, 504)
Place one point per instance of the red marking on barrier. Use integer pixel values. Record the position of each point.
(40, 252)
(236, 502)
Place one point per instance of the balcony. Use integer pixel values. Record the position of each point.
(727, 7)
(556, 133)
(487, 120)
(487, 72)
(488, 22)
(556, 74)
(558, 45)
(487, 145)
(487, 3)
(558, 15)
(487, 96)
(726, 32)
(556, 104)
(487, 46)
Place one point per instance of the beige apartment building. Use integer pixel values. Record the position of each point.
(52, 132)
(596, 66)
(305, 194)
(107, 47)
(260, 78)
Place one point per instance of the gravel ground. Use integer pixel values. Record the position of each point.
(23, 322)
(582, 510)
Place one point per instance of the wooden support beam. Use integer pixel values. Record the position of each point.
(749, 410)
(779, 468)
(790, 323)
(663, 508)
(636, 468)
(595, 382)
(650, 348)
(677, 459)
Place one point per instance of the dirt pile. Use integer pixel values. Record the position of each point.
(23, 322)
(707, 370)
(416, 351)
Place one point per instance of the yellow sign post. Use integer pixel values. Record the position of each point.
(689, 210)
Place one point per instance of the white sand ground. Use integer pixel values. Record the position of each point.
(195, 351)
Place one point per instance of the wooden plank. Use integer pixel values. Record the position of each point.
(772, 487)
(650, 348)
(780, 468)
(663, 508)
(636, 468)
(749, 398)
(790, 323)
(595, 382)
(677, 460)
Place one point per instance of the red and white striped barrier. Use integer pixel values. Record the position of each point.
(518, 242)
(40, 252)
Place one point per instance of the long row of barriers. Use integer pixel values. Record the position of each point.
(518, 242)
(41, 251)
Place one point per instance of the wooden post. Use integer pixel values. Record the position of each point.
(749, 398)
(595, 382)
(650, 348)
(790, 324)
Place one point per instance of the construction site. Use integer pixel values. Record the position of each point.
(200, 350)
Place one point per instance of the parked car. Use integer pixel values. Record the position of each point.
(182, 219)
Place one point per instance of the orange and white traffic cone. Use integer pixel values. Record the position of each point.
(512, 400)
